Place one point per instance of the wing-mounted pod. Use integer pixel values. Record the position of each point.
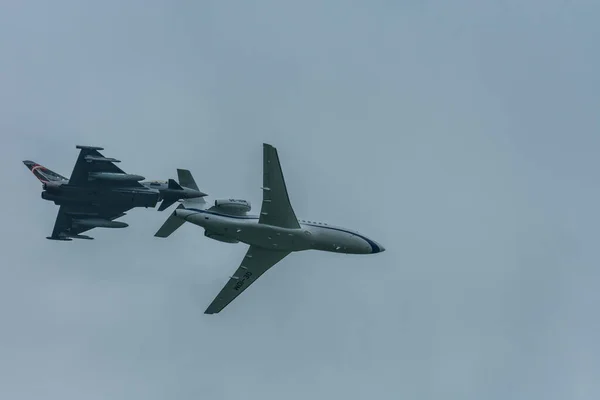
(115, 176)
(82, 147)
(97, 159)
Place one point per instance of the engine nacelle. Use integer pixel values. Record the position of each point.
(233, 206)
(220, 238)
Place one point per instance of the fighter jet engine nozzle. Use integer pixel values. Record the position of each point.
(46, 195)
(51, 185)
(99, 223)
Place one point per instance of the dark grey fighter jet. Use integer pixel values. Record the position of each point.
(99, 192)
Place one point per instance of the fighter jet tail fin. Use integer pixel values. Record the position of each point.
(186, 179)
(171, 224)
(42, 173)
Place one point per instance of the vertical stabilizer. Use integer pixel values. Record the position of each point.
(187, 181)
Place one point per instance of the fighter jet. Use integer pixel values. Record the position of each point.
(99, 192)
(272, 235)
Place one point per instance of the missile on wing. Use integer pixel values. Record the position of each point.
(116, 176)
(61, 238)
(99, 223)
(101, 159)
(82, 147)
(81, 237)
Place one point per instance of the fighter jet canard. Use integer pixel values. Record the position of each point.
(99, 192)
(272, 235)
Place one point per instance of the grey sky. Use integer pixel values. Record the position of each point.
(461, 135)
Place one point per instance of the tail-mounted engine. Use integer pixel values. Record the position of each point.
(232, 206)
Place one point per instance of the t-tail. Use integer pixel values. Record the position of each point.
(186, 190)
(43, 174)
(174, 221)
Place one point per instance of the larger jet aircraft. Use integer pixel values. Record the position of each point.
(272, 235)
(99, 192)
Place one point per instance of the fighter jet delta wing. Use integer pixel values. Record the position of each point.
(73, 220)
(92, 168)
(97, 193)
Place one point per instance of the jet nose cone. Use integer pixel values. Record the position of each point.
(377, 248)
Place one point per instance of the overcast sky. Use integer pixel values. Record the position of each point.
(462, 135)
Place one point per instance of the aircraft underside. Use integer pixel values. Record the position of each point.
(253, 233)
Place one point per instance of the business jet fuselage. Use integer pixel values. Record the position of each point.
(272, 235)
(310, 236)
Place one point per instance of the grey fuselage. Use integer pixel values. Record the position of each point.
(247, 229)
(147, 195)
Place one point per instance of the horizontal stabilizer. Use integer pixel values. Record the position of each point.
(166, 203)
(171, 225)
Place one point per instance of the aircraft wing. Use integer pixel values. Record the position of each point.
(91, 160)
(64, 227)
(276, 208)
(256, 262)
